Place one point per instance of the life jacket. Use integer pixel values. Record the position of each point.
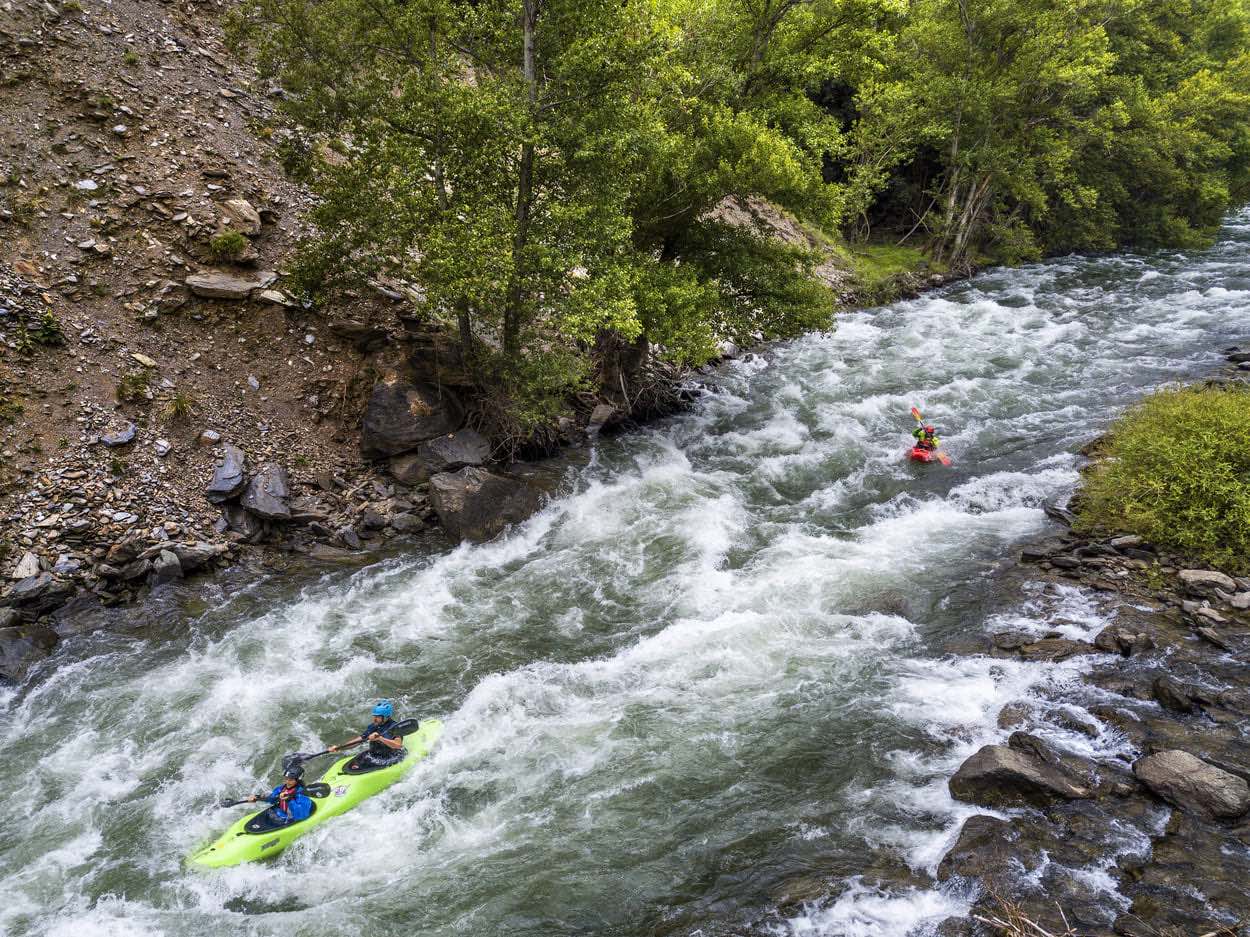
(387, 731)
(296, 806)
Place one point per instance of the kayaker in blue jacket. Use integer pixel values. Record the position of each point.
(385, 747)
(289, 799)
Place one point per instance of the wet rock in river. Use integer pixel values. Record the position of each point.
(986, 848)
(1172, 694)
(37, 595)
(1012, 776)
(474, 504)
(21, 647)
(166, 567)
(1187, 781)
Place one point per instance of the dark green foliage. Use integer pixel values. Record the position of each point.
(227, 245)
(1176, 470)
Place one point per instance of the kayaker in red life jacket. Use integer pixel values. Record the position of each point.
(385, 748)
(926, 437)
(290, 802)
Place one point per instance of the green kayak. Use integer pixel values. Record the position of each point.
(254, 838)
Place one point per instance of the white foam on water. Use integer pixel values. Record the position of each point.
(624, 676)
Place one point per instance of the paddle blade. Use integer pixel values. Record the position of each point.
(916, 413)
(407, 727)
(320, 789)
(944, 458)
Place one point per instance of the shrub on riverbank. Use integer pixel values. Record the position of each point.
(1176, 470)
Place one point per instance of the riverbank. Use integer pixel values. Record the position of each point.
(1120, 798)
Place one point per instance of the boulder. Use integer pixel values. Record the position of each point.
(239, 214)
(1172, 694)
(1057, 513)
(217, 284)
(166, 567)
(1003, 776)
(242, 522)
(474, 504)
(400, 416)
(441, 454)
(229, 477)
(1203, 581)
(405, 523)
(1190, 783)
(1055, 649)
(37, 595)
(987, 847)
(192, 556)
(268, 492)
(600, 416)
(23, 647)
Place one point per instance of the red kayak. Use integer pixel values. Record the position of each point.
(921, 454)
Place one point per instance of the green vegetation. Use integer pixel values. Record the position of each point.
(130, 57)
(548, 171)
(179, 407)
(133, 387)
(1176, 471)
(228, 245)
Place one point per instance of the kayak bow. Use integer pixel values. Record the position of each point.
(253, 837)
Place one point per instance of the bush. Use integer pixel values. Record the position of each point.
(1176, 470)
(227, 245)
(133, 387)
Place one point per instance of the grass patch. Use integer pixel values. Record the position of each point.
(179, 408)
(133, 387)
(875, 266)
(227, 245)
(1175, 470)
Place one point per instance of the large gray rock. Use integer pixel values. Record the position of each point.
(1203, 581)
(230, 475)
(241, 216)
(474, 504)
(37, 595)
(192, 556)
(243, 522)
(441, 454)
(122, 437)
(401, 416)
(1187, 781)
(987, 848)
(268, 493)
(217, 284)
(26, 567)
(1025, 773)
(22, 647)
(166, 568)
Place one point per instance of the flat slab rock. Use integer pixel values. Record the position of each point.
(1186, 781)
(217, 284)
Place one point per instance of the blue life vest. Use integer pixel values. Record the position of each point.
(299, 807)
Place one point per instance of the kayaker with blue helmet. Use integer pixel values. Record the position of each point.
(290, 802)
(385, 748)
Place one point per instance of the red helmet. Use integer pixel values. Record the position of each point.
(929, 429)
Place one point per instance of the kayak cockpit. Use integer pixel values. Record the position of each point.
(266, 822)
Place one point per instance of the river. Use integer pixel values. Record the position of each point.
(717, 668)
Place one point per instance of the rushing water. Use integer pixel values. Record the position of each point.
(716, 668)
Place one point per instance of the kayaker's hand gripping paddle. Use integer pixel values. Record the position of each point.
(312, 790)
(407, 727)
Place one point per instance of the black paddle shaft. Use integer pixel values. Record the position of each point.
(400, 728)
(319, 789)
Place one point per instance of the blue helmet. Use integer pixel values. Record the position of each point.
(384, 709)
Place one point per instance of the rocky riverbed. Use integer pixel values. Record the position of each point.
(1120, 800)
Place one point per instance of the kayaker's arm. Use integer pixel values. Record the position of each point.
(389, 743)
(348, 744)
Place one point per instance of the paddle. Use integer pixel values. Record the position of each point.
(941, 456)
(312, 790)
(400, 729)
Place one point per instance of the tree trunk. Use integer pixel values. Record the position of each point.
(525, 186)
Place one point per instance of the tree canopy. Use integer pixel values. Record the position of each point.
(550, 173)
